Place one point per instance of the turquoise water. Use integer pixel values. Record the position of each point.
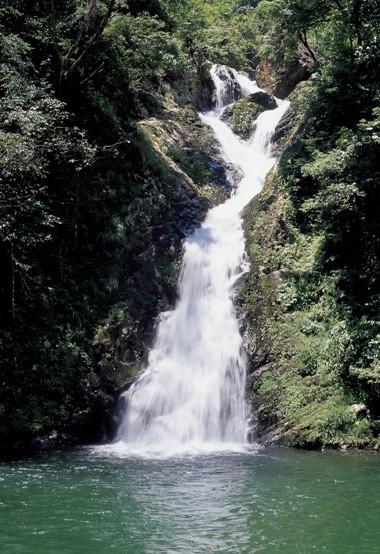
(272, 501)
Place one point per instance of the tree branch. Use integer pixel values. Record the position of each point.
(303, 40)
(81, 49)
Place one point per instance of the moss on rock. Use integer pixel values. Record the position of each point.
(241, 116)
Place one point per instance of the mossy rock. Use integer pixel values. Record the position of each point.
(242, 115)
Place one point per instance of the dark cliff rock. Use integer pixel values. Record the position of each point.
(293, 74)
(187, 177)
(178, 176)
(199, 92)
(282, 81)
(263, 99)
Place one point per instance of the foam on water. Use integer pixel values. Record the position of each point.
(122, 449)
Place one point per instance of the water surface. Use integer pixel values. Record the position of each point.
(277, 500)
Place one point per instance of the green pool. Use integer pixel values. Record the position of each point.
(277, 500)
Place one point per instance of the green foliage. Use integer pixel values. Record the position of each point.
(327, 30)
(216, 30)
(324, 326)
(90, 196)
(150, 53)
(93, 199)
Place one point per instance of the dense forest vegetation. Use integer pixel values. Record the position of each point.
(315, 233)
(93, 210)
(95, 198)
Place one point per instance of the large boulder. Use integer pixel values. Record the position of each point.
(293, 74)
(242, 115)
(264, 100)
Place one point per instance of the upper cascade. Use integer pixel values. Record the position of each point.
(230, 85)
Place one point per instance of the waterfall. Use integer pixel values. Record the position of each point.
(230, 85)
(192, 394)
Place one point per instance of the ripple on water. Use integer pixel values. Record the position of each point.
(268, 501)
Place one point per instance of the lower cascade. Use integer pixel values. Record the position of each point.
(192, 394)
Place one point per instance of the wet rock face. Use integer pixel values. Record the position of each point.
(265, 76)
(294, 73)
(282, 83)
(263, 99)
(282, 130)
(231, 90)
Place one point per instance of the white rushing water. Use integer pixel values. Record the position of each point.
(192, 395)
